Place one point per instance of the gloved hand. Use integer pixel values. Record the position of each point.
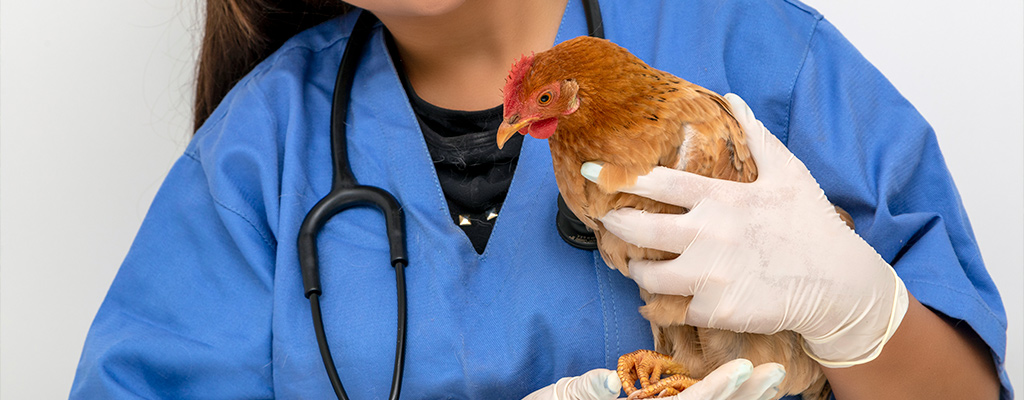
(734, 380)
(765, 256)
(598, 384)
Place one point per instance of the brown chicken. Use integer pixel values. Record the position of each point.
(594, 101)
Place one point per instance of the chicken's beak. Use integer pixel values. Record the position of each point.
(507, 128)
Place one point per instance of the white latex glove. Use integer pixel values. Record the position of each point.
(765, 256)
(598, 384)
(736, 380)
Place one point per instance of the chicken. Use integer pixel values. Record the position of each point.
(594, 101)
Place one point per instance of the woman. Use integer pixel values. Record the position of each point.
(208, 302)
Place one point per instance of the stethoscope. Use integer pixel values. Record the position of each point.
(347, 193)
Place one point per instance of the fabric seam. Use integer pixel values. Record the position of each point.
(796, 78)
(218, 202)
(961, 292)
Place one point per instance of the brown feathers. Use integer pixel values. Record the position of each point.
(633, 118)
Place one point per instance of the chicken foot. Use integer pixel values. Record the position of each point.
(648, 367)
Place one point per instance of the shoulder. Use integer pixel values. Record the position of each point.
(736, 19)
(243, 147)
(308, 59)
(755, 48)
(262, 105)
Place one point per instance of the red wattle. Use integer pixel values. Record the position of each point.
(543, 129)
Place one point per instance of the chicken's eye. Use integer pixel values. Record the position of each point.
(544, 98)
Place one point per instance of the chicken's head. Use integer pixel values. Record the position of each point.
(533, 103)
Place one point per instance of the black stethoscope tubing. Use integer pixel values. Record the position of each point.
(346, 193)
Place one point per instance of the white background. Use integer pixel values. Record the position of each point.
(95, 104)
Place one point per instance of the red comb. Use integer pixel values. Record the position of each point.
(514, 83)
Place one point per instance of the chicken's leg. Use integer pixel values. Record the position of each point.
(647, 367)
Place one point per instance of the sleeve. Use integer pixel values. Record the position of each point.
(189, 312)
(876, 157)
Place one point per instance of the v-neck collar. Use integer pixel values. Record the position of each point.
(409, 159)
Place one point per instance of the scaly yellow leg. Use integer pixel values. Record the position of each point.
(647, 367)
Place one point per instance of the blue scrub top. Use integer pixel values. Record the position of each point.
(209, 301)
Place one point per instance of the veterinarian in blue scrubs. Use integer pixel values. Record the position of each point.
(208, 302)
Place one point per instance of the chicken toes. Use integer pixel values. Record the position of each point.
(647, 367)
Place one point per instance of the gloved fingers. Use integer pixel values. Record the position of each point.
(663, 277)
(736, 380)
(665, 232)
(720, 384)
(763, 383)
(666, 185)
(596, 384)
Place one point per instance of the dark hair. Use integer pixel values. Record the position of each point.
(238, 34)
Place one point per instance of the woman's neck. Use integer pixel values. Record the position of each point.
(458, 60)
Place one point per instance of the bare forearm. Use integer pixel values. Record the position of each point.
(927, 358)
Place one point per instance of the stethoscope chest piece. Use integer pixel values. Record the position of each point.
(572, 230)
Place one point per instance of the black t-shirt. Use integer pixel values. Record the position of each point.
(474, 174)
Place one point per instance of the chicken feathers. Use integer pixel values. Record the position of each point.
(593, 100)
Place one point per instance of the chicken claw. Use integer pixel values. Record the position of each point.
(647, 367)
